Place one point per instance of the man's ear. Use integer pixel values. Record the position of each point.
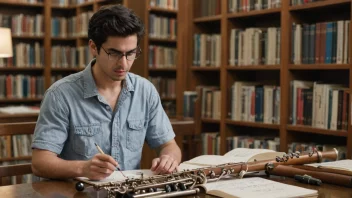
(93, 48)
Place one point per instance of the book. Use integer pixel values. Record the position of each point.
(340, 167)
(234, 156)
(255, 187)
(117, 176)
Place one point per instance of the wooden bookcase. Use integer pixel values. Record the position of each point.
(48, 10)
(174, 72)
(279, 75)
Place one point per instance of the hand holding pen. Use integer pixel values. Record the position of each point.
(102, 152)
(99, 167)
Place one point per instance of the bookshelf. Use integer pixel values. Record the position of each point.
(279, 72)
(163, 52)
(52, 34)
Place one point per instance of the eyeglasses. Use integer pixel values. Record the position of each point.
(116, 56)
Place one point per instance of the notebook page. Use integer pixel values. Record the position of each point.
(258, 187)
(209, 160)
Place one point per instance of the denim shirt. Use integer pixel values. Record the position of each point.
(73, 116)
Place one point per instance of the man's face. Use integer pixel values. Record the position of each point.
(109, 59)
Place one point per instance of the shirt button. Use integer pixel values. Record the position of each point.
(107, 108)
(99, 98)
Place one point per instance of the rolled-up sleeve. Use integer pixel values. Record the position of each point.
(51, 130)
(159, 129)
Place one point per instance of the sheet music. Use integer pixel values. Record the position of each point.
(117, 176)
(245, 154)
(258, 187)
(340, 164)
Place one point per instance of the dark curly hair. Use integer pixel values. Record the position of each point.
(114, 20)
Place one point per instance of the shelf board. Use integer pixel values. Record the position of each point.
(63, 38)
(162, 10)
(6, 159)
(254, 13)
(318, 4)
(211, 68)
(309, 129)
(318, 66)
(12, 69)
(168, 69)
(28, 37)
(252, 124)
(162, 40)
(58, 7)
(207, 19)
(58, 69)
(210, 120)
(7, 3)
(167, 98)
(21, 100)
(254, 67)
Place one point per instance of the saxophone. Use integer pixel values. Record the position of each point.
(189, 182)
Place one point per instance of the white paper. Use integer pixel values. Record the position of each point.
(340, 164)
(258, 187)
(117, 176)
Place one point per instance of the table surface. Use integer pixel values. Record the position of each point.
(66, 188)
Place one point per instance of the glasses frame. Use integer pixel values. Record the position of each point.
(138, 53)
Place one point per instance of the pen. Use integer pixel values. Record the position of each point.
(102, 152)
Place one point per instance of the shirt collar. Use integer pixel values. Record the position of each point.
(90, 88)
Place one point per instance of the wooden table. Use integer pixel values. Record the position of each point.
(54, 188)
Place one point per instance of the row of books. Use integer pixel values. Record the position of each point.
(168, 4)
(250, 5)
(162, 57)
(69, 2)
(23, 25)
(255, 46)
(319, 105)
(27, 1)
(162, 27)
(20, 146)
(210, 143)
(207, 50)
(301, 2)
(64, 27)
(25, 55)
(210, 7)
(255, 102)
(255, 142)
(210, 96)
(70, 57)
(21, 86)
(309, 147)
(325, 42)
(165, 86)
(189, 99)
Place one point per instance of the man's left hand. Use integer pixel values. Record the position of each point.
(164, 164)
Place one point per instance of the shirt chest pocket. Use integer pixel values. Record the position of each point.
(84, 138)
(135, 133)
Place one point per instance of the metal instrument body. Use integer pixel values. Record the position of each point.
(190, 181)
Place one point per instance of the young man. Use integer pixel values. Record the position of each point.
(104, 105)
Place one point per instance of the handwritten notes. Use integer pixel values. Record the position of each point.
(340, 164)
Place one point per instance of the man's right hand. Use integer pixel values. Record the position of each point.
(99, 167)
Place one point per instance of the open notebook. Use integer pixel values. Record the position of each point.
(117, 176)
(255, 187)
(234, 156)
